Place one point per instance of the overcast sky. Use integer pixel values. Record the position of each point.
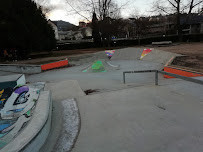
(64, 12)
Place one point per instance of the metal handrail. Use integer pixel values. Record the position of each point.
(166, 73)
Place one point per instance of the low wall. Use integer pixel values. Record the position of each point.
(18, 68)
(32, 69)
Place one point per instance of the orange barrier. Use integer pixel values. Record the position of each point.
(182, 72)
(54, 65)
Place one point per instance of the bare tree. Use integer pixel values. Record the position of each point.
(95, 30)
(103, 12)
(192, 5)
(135, 13)
(102, 8)
(177, 7)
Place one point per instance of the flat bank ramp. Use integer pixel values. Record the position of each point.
(130, 53)
(159, 56)
(65, 89)
(145, 119)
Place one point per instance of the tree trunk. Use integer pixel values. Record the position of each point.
(179, 29)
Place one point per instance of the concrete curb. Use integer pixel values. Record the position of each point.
(36, 132)
(179, 70)
(32, 69)
(54, 65)
(71, 126)
(20, 68)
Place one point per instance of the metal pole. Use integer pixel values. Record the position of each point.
(156, 78)
(124, 77)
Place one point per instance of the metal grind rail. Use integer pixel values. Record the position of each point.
(165, 73)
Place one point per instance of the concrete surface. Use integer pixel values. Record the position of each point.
(137, 116)
(4, 73)
(20, 68)
(8, 78)
(61, 91)
(42, 136)
(158, 56)
(101, 81)
(12, 81)
(145, 119)
(27, 140)
(155, 56)
(71, 126)
(131, 53)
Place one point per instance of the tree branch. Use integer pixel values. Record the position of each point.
(172, 3)
(77, 11)
(197, 3)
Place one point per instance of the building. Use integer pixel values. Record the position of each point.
(82, 24)
(55, 28)
(193, 25)
(166, 25)
(64, 26)
(86, 32)
(66, 31)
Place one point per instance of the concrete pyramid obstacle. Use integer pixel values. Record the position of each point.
(109, 53)
(97, 66)
(100, 66)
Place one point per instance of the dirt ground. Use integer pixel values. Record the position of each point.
(193, 55)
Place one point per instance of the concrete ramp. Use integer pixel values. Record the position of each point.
(32, 136)
(127, 54)
(144, 119)
(65, 89)
(24, 114)
(156, 56)
(159, 56)
(65, 118)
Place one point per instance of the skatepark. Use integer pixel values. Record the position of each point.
(133, 116)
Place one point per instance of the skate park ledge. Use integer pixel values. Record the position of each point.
(36, 132)
(181, 71)
(32, 69)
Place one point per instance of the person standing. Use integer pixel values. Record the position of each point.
(6, 54)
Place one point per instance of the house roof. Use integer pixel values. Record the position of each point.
(63, 26)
